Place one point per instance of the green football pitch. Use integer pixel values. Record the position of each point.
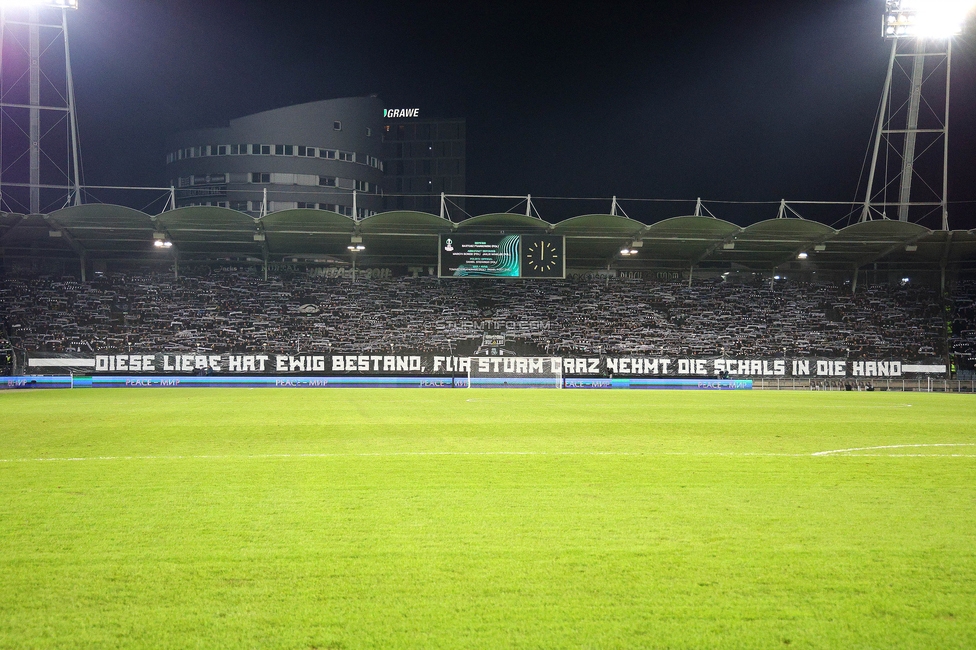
(208, 518)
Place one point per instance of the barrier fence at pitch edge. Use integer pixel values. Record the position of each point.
(364, 382)
(921, 385)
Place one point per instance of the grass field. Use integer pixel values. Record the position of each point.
(486, 519)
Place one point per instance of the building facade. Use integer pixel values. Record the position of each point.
(423, 157)
(342, 155)
(324, 155)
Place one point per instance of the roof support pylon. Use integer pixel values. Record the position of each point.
(885, 96)
(910, 124)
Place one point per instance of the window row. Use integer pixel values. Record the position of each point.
(311, 180)
(208, 181)
(204, 151)
(277, 206)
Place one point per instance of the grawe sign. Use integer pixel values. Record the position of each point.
(401, 112)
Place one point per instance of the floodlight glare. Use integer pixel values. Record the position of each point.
(936, 19)
(801, 256)
(57, 4)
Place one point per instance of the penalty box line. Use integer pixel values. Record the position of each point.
(853, 450)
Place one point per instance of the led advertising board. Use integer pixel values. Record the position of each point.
(502, 256)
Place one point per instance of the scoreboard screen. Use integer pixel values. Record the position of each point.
(502, 256)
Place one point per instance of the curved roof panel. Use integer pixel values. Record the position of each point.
(789, 229)
(772, 243)
(29, 236)
(406, 223)
(8, 221)
(96, 214)
(692, 226)
(871, 241)
(105, 228)
(402, 237)
(504, 221)
(885, 229)
(303, 220)
(683, 240)
(204, 230)
(205, 219)
(598, 225)
(307, 232)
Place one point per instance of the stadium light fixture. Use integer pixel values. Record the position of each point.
(163, 243)
(628, 251)
(802, 256)
(932, 19)
(357, 248)
(57, 4)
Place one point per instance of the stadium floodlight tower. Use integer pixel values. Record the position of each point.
(38, 124)
(914, 116)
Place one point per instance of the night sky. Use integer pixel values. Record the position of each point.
(745, 101)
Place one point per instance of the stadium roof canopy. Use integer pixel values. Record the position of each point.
(593, 241)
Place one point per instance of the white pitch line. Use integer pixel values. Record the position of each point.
(853, 449)
(401, 454)
(394, 454)
(912, 456)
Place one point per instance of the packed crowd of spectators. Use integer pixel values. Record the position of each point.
(962, 334)
(232, 309)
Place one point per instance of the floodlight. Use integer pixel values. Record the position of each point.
(162, 243)
(936, 19)
(57, 4)
(357, 248)
(802, 256)
(628, 251)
